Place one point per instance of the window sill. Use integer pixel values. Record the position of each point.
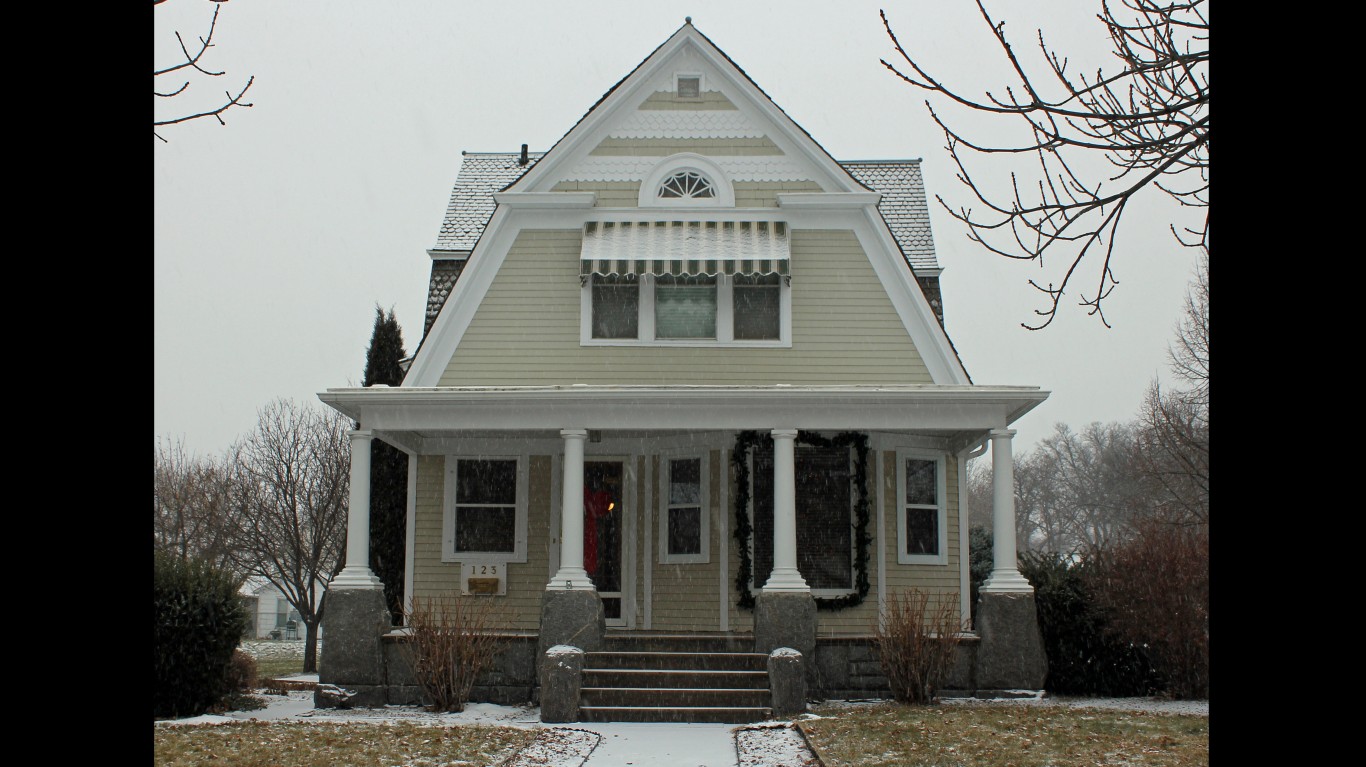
(699, 342)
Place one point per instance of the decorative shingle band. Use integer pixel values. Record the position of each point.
(682, 248)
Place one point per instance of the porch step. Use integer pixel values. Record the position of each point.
(692, 642)
(685, 714)
(633, 680)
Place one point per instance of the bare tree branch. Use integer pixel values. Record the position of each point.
(1149, 121)
(191, 63)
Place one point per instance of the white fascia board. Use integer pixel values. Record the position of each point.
(910, 406)
(570, 145)
(828, 200)
(909, 301)
(546, 200)
(439, 254)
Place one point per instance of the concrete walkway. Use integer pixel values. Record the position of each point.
(647, 744)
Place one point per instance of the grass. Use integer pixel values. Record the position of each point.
(307, 744)
(272, 668)
(1005, 736)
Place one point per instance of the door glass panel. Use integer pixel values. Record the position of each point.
(602, 531)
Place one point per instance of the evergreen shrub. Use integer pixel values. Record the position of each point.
(197, 625)
(1084, 657)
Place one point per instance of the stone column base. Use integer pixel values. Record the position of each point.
(785, 619)
(1011, 654)
(352, 657)
(562, 678)
(787, 681)
(574, 618)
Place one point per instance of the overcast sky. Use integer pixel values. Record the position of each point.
(277, 234)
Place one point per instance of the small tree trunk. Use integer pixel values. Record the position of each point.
(311, 646)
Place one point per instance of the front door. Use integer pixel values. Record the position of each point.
(605, 529)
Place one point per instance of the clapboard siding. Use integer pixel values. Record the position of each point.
(526, 330)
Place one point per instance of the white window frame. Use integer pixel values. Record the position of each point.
(701, 85)
(942, 504)
(725, 318)
(448, 552)
(648, 196)
(704, 478)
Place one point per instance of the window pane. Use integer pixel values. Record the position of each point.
(685, 482)
(490, 482)
(485, 528)
(616, 306)
(757, 306)
(921, 486)
(922, 531)
(685, 307)
(689, 87)
(685, 531)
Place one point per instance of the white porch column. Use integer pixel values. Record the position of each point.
(357, 573)
(571, 576)
(785, 576)
(1005, 574)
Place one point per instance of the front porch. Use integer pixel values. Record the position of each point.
(658, 516)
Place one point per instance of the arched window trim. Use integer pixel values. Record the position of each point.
(681, 163)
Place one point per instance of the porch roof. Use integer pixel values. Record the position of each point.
(408, 415)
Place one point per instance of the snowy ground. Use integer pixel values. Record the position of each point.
(627, 744)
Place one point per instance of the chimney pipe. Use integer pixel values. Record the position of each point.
(523, 160)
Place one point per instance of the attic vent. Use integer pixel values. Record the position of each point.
(689, 86)
(686, 185)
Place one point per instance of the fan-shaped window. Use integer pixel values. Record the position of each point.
(686, 185)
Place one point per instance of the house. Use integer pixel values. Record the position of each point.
(685, 373)
(272, 616)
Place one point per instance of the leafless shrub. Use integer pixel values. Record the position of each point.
(1154, 590)
(916, 641)
(241, 674)
(451, 640)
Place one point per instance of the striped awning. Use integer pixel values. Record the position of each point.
(682, 248)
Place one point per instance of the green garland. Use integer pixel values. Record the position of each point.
(745, 443)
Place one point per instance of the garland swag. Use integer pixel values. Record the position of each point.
(745, 443)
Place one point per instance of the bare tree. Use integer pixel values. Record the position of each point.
(1173, 443)
(191, 501)
(192, 70)
(293, 483)
(1149, 121)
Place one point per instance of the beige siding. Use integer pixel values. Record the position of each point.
(706, 100)
(611, 194)
(685, 594)
(663, 147)
(940, 580)
(764, 194)
(526, 581)
(526, 331)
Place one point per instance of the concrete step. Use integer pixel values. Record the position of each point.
(681, 661)
(655, 697)
(662, 678)
(723, 714)
(640, 641)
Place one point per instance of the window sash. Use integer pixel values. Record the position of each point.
(616, 306)
(685, 307)
(485, 514)
(922, 519)
(757, 307)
